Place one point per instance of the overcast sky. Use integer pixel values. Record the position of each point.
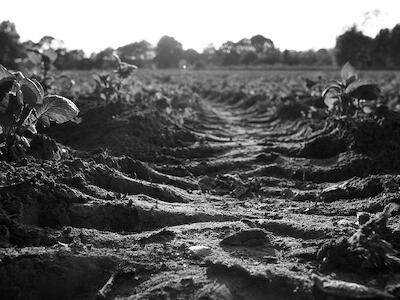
(93, 25)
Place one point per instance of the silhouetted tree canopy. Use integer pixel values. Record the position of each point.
(354, 47)
(168, 52)
(382, 51)
(10, 49)
(261, 43)
(136, 53)
(191, 56)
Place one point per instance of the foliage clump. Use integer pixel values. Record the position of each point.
(23, 104)
(109, 87)
(350, 95)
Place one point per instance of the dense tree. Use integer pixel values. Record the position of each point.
(308, 58)
(10, 49)
(354, 47)
(290, 57)
(103, 59)
(230, 55)
(261, 43)
(380, 49)
(324, 57)
(270, 56)
(49, 42)
(137, 53)
(74, 59)
(191, 56)
(248, 58)
(394, 49)
(362, 51)
(168, 52)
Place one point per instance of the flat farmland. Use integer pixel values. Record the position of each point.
(207, 184)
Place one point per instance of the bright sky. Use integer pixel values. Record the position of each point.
(93, 25)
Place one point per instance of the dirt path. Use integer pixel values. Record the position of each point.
(240, 214)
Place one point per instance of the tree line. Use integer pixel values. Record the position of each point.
(364, 52)
(383, 51)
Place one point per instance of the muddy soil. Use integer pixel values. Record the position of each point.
(215, 191)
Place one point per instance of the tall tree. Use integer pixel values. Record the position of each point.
(261, 43)
(168, 52)
(191, 56)
(136, 53)
(395, 46)
(10, 48)
(354, 47)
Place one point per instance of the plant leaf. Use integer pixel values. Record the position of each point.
(348, 73)
(4, 73)
(39, 86)
(31, 92)
(331, 101)
(56, 108)
(363, 89)
(45, 121)
(329, 89)
(6, 81)
(32, 128)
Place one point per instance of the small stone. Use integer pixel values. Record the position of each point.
(200, 250)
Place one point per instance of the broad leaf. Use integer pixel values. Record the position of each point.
(348, 74)
(5, 87)
(6, 81)
(56, 108)
(31, 92)
(331, 101)
(45, 121)
(362, 89)
(4, 73)
(39, 86)
(331, 88)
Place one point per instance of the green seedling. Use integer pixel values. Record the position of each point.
(43, 62)
(110, 88)
(350, 95)
(23, 104)
(124, 70)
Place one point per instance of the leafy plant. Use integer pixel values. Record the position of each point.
(23, 104)
(350, 95)
(110, 88)
(42, 61)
